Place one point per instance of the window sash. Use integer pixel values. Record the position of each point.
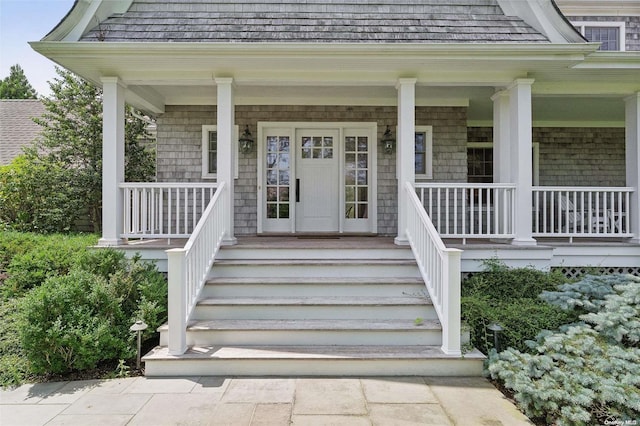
(423, 161)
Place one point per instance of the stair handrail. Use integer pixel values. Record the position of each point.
(189, 266)
(440, 270)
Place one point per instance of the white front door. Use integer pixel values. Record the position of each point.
(317, 186)
(317, 177)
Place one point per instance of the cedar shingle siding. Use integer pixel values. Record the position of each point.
(388, 21)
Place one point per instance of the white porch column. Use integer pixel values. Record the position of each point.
(405, 150)
(521, 163)
(632, 155)
(501, 137)
(226, 152)
(502, 157)
(112, 160)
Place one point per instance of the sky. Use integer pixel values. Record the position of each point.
(22, 21)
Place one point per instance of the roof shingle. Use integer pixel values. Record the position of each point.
(17, 128)
(326, 21)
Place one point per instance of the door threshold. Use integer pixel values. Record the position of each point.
(318, 235)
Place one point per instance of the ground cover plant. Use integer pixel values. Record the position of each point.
(586, 372)
(67, 308)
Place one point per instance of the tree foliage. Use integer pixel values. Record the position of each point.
(38, 195)
(16, 85)
(71, 145)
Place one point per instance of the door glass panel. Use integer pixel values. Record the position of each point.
(278, 177)
(356, 177)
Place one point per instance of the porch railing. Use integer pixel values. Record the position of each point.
(468, 210)
(440, 269)
(581, 211)
(164, 210)
(189, 266)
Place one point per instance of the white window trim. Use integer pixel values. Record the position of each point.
(428, 140)
(535, 165)
(604, 24)
(206, 128)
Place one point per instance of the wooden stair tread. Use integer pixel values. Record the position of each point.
(365, 261)
(337, 352)
(310, 325)
(313, 280)
(315, 301)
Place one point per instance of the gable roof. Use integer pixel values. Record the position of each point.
(382, 21)
(17, 128)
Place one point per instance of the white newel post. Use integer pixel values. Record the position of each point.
(405, 150)
(112, 160)
(632, 155)
(451, 300)
(226, 151)
(177, 303)
(521, 163)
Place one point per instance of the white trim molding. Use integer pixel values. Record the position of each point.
(206, 129)
(620, 25)
(428, 160)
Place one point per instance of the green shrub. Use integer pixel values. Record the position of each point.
(15, 243)
(521, 320)
(499, 282)
(67, 307)
(587, 373)
(72, 323)
(51, 256)
(102, 262)
(509, 297)
(143, 291)
(13, 364)
(38, 197)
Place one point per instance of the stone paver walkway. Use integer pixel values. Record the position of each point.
(241, 401)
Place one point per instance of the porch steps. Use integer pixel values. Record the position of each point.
(314, 360)
(313, 311)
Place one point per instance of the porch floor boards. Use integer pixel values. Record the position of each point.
(380, 242)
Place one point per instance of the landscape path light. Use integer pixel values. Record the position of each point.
(139, 326)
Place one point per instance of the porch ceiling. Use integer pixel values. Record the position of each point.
(159, 74)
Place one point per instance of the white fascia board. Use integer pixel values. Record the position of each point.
(267, 50)
(609, 60)
(85, 15)
(599, 7)
(556, 124)
(585, 88)
(544, 17)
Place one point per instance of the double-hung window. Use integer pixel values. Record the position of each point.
(210, 151)
(611, 35)
(424, 152)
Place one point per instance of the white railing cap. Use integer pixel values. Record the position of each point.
(188, 185)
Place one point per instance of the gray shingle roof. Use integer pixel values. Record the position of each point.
(17, 128)
(384, 21)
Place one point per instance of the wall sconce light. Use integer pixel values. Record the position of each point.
(246, 141)
(388, 141)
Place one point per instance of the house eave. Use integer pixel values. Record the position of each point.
(351, 63)
(609, 60)
(294, 49)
